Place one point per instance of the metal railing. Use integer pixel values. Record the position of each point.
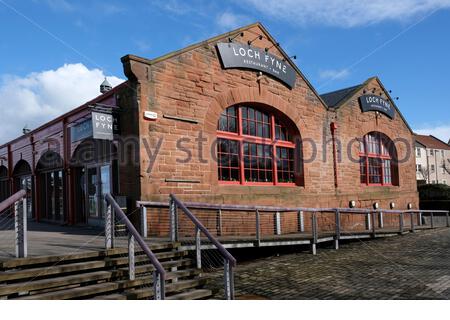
(229, 260)
(159, 273)
(19, 202)
(266, 225)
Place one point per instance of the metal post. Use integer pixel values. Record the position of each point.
(338, 229)
(158, 286)
(20, 228)
(420, 218)
(173, 221)
(368, 222)
(144, 228)
(448, 219)
(412, 222)
(131, 258)
(372, 216)
(229, 280)
(380, 220)
(109, 228)
(401, 222)
(301, 222)
(431, 220)
(198, 248)
(277, 223)
(314, 234)
(258, 228)
(219, 222)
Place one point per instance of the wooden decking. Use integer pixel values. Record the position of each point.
(295, 238)
(46, 239)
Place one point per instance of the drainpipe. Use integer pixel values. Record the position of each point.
(333, 127)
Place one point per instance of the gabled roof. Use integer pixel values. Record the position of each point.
(431, 142)
(229, 34)
(347, 94)
(332, 99)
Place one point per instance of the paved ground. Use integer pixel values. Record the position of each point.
(413, 266)
(47, 239)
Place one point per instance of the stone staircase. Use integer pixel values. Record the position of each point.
(101, 275)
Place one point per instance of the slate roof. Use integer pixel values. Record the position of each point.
(332, 99)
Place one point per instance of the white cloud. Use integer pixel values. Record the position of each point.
(228, 20)
(334, 74)
(345, 13)
(442, 132)
(60, 5)
(41, 96)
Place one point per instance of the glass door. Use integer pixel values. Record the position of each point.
(98, 185)
(92, 192)
(105, 179)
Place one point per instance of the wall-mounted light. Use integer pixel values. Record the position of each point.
(410, 205)
(376, 205)
(230, 39)
(392, 205)
(352, 204)
(257, 38)
(294, 57)
(276, 44)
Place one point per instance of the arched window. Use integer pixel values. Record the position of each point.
(378, 160)
(256, 147)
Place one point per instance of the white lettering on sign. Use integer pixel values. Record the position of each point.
(242, 56)
(103, 121)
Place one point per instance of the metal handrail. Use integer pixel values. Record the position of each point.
(198, 224)
(229, 260)
(370, 214)
(160, 277)
(20, 221)
(247, 208)
(5, 204)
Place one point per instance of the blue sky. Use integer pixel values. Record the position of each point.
(54, 53)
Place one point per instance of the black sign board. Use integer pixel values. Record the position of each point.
(81, 131)
(370, 102)
(236, 55)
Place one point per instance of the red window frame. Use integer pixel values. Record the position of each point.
(373, 155)
(275, 124)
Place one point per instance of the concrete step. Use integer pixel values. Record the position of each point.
(88, 255)
(146, 293)
(192, 295)
(30, 287)
(90, 290)
(41, 272)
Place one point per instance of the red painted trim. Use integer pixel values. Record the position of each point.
(241, 138)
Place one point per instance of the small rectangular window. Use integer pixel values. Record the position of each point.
(228, 160)
(418, 152)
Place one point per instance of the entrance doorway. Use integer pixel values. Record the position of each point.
(98, 184)
(95, 173)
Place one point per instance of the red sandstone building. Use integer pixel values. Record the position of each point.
(228, 120)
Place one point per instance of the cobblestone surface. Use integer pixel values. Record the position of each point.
(413, 266)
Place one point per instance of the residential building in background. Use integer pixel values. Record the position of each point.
(432, 160)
